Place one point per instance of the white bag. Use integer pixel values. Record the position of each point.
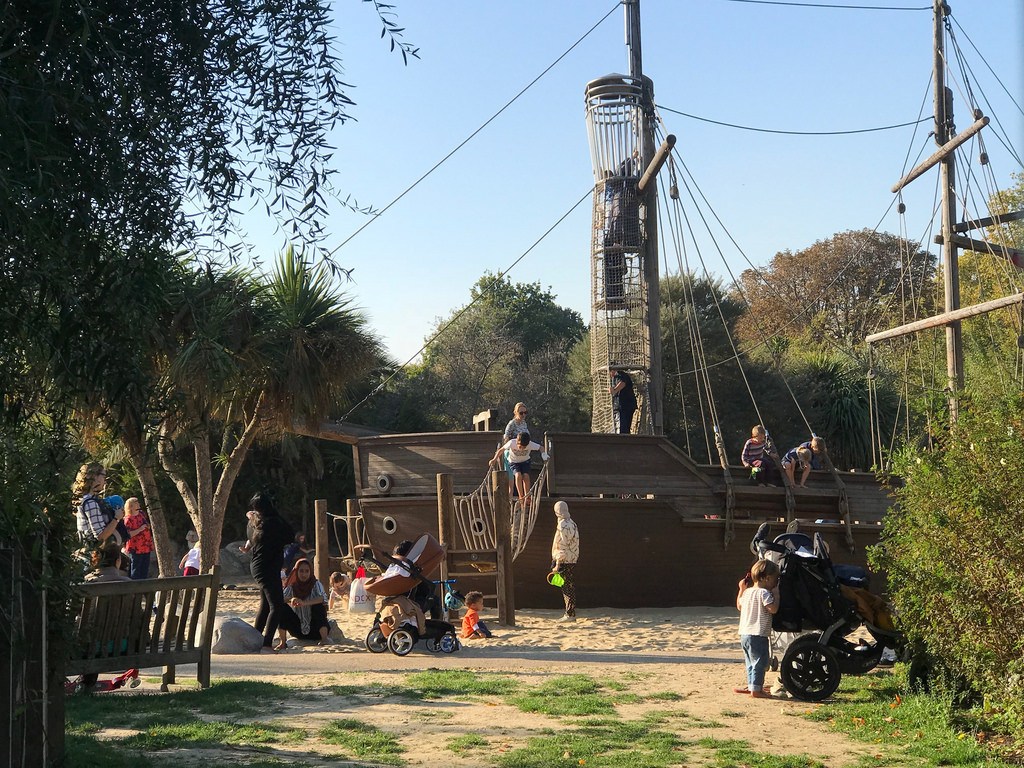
(359, 600)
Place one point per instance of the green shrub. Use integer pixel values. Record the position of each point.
(953, 549)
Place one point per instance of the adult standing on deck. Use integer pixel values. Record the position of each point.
(271, 534)
(623, 399)
(512, 429)
(565, 553)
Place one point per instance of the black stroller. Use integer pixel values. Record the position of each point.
(402, 620)
(812, 597)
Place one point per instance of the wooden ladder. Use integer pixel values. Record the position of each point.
(456, 560)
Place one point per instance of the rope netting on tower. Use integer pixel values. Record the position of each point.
(619, 291)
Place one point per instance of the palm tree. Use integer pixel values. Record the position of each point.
(257, 355)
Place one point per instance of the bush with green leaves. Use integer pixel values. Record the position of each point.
(953, 549)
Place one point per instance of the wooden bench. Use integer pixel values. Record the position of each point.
(146, 623)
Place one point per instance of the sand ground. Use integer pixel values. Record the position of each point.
(692, 652)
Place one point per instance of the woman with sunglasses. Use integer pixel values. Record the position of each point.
(512, 430)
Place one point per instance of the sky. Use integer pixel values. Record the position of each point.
(768, 66)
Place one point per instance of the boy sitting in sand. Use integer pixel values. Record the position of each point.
(757, 601)
(471, 624)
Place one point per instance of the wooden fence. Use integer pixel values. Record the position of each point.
(32, 712)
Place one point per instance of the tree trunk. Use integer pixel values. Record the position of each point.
(232, 466)
(209, 525)
(166, 556)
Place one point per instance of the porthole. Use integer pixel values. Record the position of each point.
(384, 483)
(477, 526)
(390, 525)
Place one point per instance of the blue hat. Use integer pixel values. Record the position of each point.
(115, 502)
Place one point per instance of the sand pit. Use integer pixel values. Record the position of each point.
(691, 655)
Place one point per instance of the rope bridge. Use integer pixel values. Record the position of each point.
(474, 516)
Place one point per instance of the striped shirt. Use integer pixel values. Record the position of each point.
(753, 450)
(754, 616)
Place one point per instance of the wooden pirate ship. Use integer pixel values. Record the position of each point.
(657, 528)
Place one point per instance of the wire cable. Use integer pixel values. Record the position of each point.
(788, 133)
(471, 136)
(836, 6)
(465, 309)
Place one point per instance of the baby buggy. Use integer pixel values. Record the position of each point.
(410, 611)
(833, 601)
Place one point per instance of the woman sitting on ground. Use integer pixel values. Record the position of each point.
(304, 593)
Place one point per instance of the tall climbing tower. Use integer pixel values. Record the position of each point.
(624, 295)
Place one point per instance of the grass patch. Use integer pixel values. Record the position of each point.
(664, 696)
(467, 742)
(200, 733)
(610, 744)
(637, 676)
(569, 695)
(363, 740)
(432, 715)
(87, 752)
(732, 753)
(231, 698)
(909, 729)
(613, 685)
(375, 691)
(457, 683)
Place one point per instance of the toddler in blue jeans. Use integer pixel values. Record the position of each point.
(757, 600)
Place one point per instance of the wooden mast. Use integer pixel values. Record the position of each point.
(944, 132)
(649, 201)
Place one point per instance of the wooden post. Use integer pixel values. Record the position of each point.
(446, 527)
(503, 535)
(351, 530)
(323, 543)
(484, 421)
(950, 263)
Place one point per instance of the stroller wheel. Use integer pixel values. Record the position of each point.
(448, 643)
(375, 641)
(434, 644)
(810, 671)
(401, 642)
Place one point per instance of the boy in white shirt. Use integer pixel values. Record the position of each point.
(519, 449)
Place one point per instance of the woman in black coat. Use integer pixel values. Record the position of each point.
(271, 534)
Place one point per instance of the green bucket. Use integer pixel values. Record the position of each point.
(555, 579)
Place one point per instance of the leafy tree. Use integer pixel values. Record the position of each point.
(509, 343)
(953, 549)
(837, 291)
(992, 355)
(252, 358)
(127, 131)
(530, 314)
(704, 388)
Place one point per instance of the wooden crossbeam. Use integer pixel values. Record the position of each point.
(946, 318)
(1002, 218)
(1015, 256)
(944, 151)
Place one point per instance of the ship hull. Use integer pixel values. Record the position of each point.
(652, 536)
